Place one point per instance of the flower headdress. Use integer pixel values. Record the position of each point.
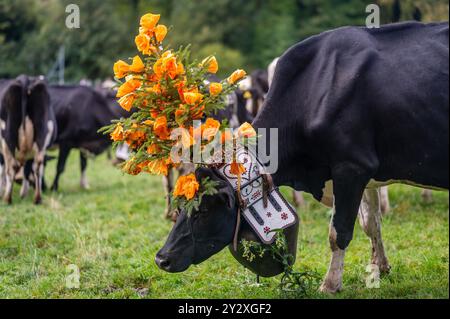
(169, 92)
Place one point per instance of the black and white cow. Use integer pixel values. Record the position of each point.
(355, 109)
(27, 129)
(80, 113)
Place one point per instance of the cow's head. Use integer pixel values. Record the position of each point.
(204, 232)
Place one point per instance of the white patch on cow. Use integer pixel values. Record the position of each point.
(245, 84)
(271, 70)
(84, 184)
(370, 220)
(2, 177)
(123, 152)
(25, 187)
(333, 279)
(26, 138)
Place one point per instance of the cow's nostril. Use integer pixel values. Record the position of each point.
(162, 262)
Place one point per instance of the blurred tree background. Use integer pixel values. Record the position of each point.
(241, 33)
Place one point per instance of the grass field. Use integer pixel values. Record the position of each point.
(113, 231)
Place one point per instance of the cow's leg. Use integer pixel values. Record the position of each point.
(370, 221)
(168, 187)
(349, 183)
(299, 200)
(83, 165)
(38, 170)
(11, 171)
(25, 182)
(384, 200)
(427, 196)
(2, 174)
(64, 152)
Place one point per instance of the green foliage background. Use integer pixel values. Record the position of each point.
(241, 33)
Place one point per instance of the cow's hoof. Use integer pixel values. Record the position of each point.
(329, 288)
(8, 201)
(38, 201)
(385, 268)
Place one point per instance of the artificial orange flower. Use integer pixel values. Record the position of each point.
(246, 130)
(210, 128)
(236, 76)
(117, 134)
(128, 87)
(126, 102)
(237, 168)
(148, 122)
(153, 149)
(171, 66)
(149, 21)
(158, 167)
(211, 63)
(134, 137)
(131, 167)
(186, 186)
(137, 66)
(193, 98)
(160, 32)
(121, 69)
(215, 88)
(160, 128)
(143, 44)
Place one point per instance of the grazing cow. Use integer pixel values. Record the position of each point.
(80, 113)
(27, 129)
(355, 109)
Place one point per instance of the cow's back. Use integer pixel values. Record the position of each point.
(375, 97)
(80, 113)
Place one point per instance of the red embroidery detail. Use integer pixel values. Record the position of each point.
(266, 229)
(284, 216)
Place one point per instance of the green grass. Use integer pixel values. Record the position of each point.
(113, 231)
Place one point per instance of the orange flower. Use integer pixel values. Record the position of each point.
(134, 138)
(153, 149)
(211, 63)
(137, 66)
(117, 134)
(158, 167)
(128, 87)
(149, 21)
(131, 167)
(210, 128)
(143, 44)
(246, 130)
(186, 186)
(160, 128)
(121, 69)
(180, 68)
(148, 122)
(236, 76)
(160, 32)
(126, 102)
(237, 168)
(192, 98)
(171, 67)
(215, 88)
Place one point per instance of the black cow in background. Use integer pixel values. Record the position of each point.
(27, 128)
(80, 113)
